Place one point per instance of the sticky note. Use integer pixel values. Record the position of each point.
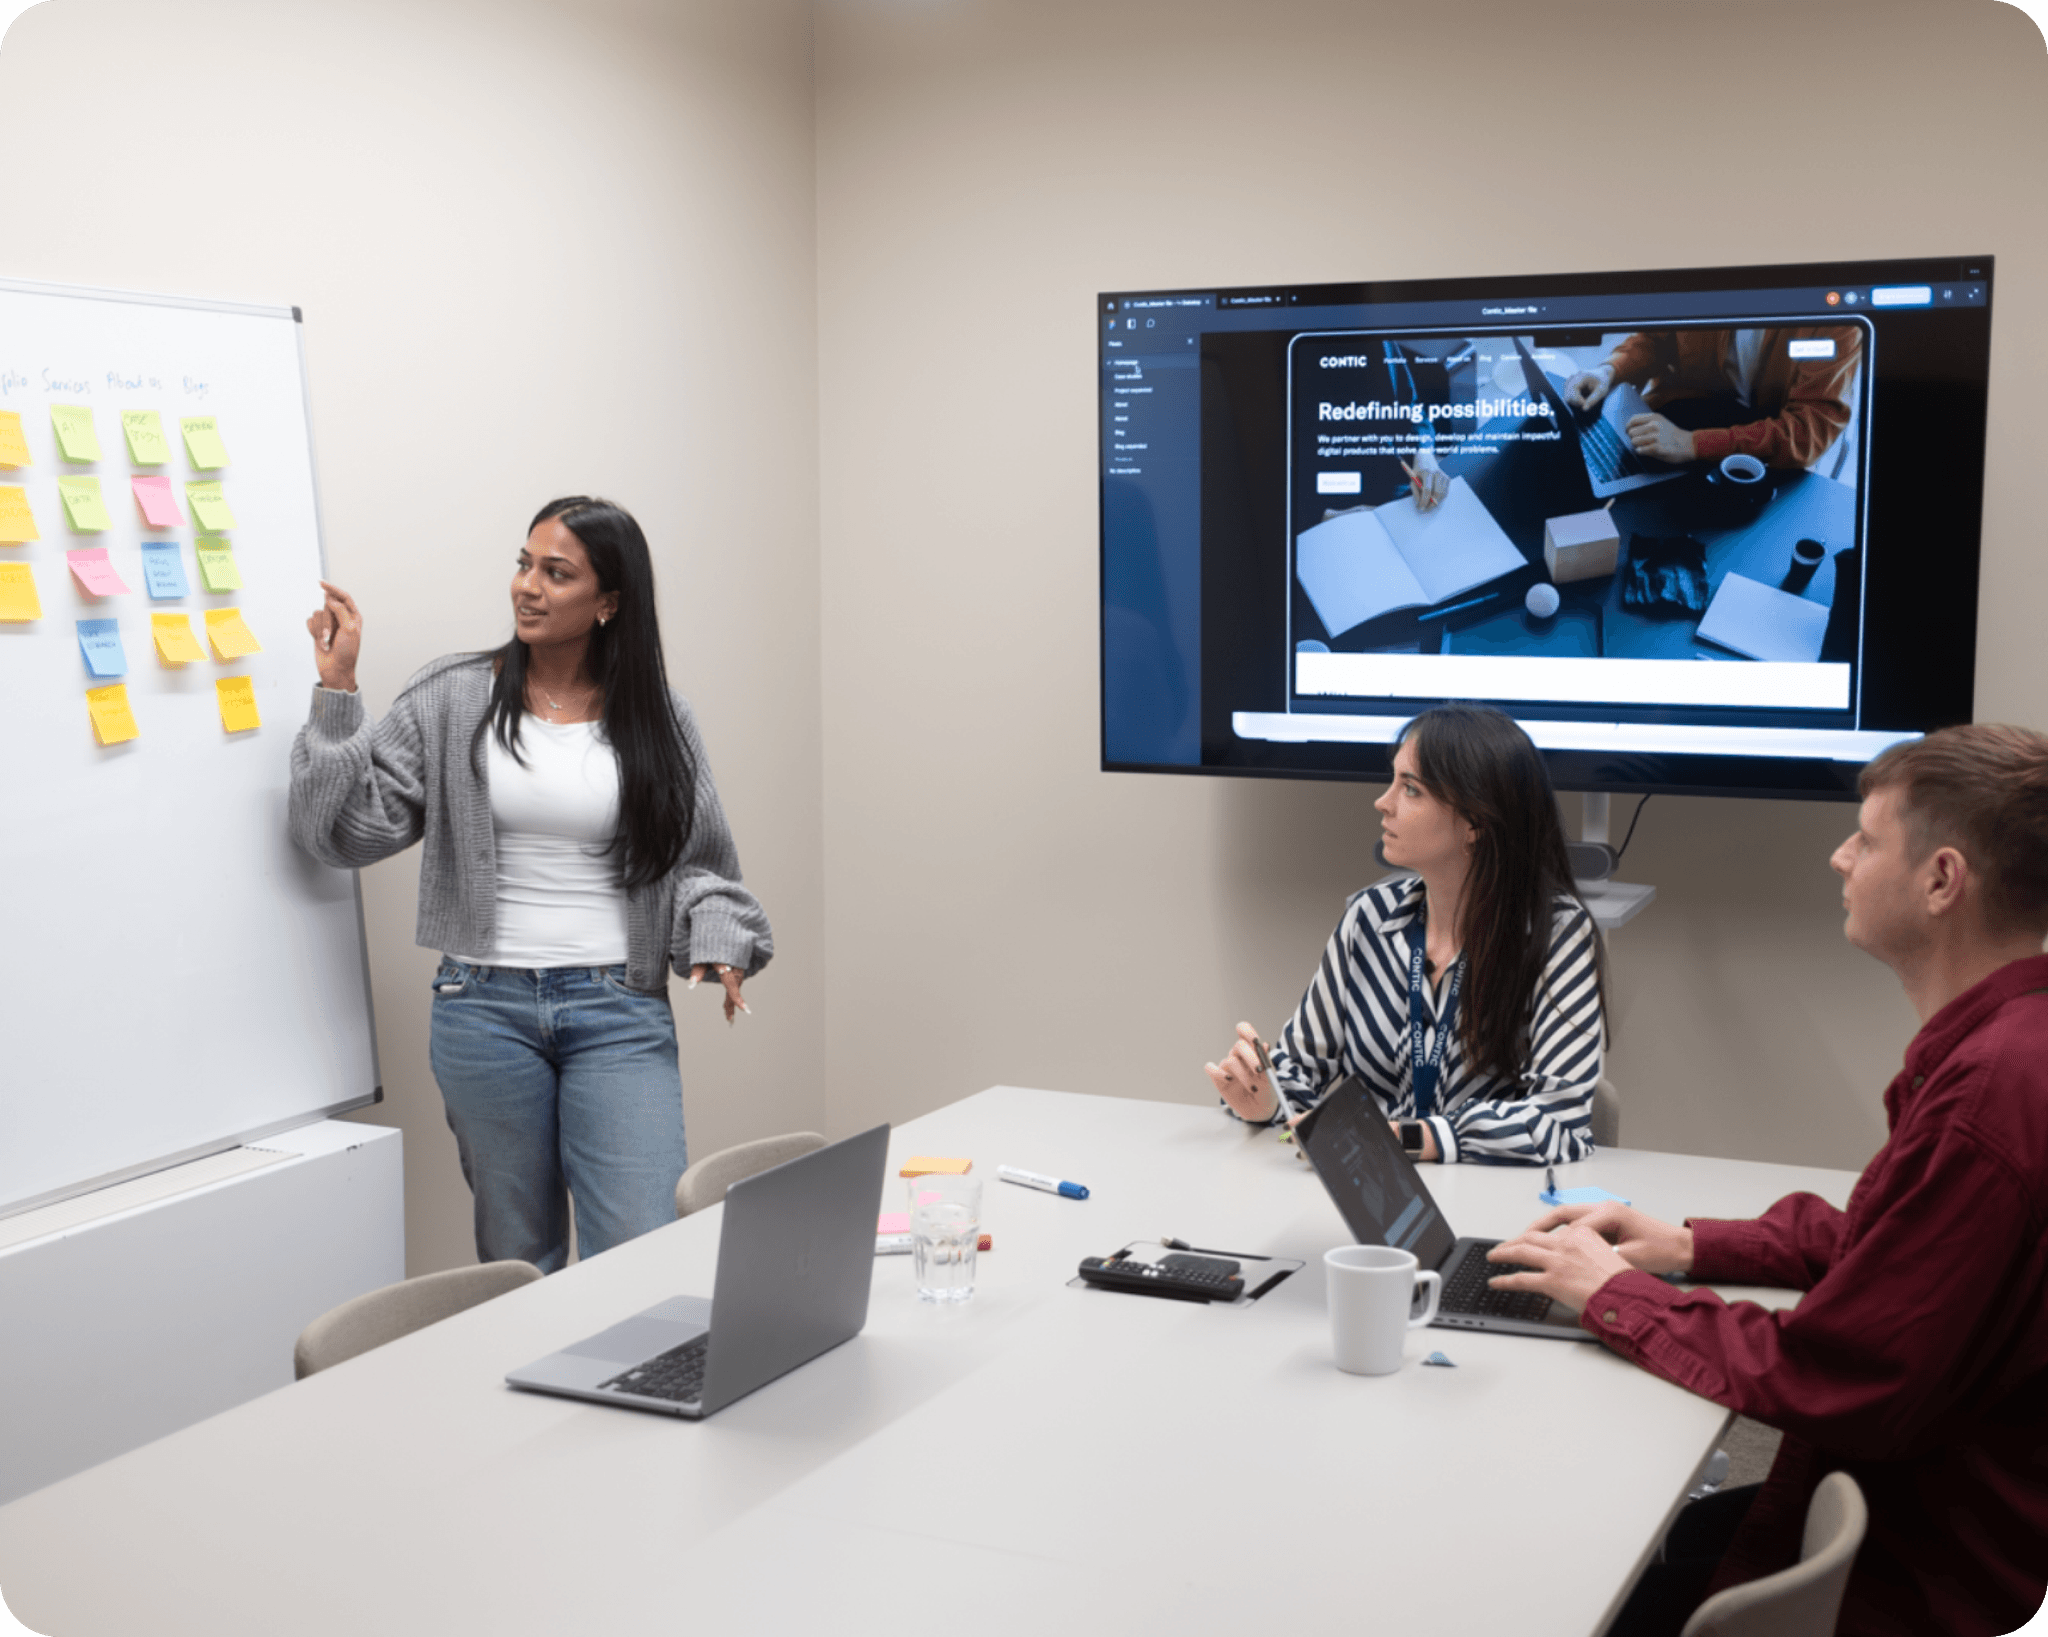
(83, 504)
(17, 522)
(13, 446)
(893, 1222)
(217, 563)
(175, 643)
(230, 634)
(76, 440)
(159, 505)
(163, 570)
(1580, 1196)
(112, 720)
(210, 506)
(146, 446)
(931, 1165)
(202, 442)
(100, 642)
(237, 696)
(18, 600)
(90, 566)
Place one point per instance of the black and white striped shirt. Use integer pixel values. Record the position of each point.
(1354, 1020)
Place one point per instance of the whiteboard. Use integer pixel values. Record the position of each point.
(175, 975)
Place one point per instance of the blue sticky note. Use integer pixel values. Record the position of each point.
(1580, 1196)
(100, 642)
(163, 570)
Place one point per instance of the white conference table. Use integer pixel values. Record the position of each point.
(1041, 1456)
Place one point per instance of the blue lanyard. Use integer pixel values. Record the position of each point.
(1427, 1067)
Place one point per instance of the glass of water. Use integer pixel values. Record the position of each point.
(945, 1231)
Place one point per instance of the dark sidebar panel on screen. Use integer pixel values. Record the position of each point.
(1746, 565)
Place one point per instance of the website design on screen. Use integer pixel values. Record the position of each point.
(1736, 520)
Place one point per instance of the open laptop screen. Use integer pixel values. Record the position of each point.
(1375, 1186)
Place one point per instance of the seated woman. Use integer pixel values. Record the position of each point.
(1487, 946)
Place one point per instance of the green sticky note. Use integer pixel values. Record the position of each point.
(217, 563)
(76, 439)
(146, 446)
(83, 504)
(202, 442)
(210, 506)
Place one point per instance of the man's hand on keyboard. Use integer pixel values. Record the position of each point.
(1656, 438)
(1643, 1241)
(1585, 390)
(1571, 1264)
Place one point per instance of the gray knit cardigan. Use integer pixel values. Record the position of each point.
(362, 791)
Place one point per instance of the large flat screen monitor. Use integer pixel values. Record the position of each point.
(1709, 531)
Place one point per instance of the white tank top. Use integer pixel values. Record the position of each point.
(559, 899)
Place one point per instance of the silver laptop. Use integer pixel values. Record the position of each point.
(1384, 1201)
(796, 1254)
(1612, 465)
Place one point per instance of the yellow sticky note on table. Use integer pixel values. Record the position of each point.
(17, 522)
(230, 634)
(933, 1165)
(210, 507)
(18, 599)
(175, 643)
(145, 430)
(202, 442)
(112, 721)
(217, 563)
(237, 696)
(13, 446)
(83, 504)
(76, 440)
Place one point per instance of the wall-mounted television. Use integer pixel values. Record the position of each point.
(1711, 531)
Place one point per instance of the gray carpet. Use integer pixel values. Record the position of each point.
(1751, 1448)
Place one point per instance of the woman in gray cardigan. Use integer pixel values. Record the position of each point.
(574, 850)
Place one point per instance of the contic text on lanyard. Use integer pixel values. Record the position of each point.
(1428, 1066)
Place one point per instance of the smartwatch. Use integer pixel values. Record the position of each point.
(1411, 1136)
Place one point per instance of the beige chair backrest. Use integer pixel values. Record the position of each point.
(1804, 1600)
(705, 1183)
(1606, 1115)
(398, 1310)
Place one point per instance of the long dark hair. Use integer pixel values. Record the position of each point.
(657, 779)
(1483, 767)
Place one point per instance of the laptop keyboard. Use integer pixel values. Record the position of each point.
(1466, 1290)
(1609, 456)
(677, 1375)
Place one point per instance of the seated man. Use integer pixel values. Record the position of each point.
(1917, 1361)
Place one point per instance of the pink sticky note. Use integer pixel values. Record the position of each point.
(94, 572)
(893, 1222)
(159, 507)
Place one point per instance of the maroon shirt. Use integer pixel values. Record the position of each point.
(1917, 1362)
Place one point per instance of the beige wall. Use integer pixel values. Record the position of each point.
(1000, 910)
(540, 249)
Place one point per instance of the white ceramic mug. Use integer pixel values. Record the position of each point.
(1372, 1291)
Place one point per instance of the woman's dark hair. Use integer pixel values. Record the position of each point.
(657, 780)
(1483, 767)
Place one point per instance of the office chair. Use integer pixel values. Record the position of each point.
(706, 1181)
(1804, 1600)
(398, 1310)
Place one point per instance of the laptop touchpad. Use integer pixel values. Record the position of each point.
(635, 1339)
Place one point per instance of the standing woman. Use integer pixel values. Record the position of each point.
(1487, 946)
(575, 850)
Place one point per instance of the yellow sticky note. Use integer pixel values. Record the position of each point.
(112, 720)
(932, 1165)
(13, 446)
(217, 563)
(237, 696)
(17, 522)
(146, 446)
(83, 504)
(210, 507)
(18, 599)
(76, 440)
(202, 442)
(175, 643)
(230, 634)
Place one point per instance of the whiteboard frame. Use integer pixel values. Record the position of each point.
(375, 1095)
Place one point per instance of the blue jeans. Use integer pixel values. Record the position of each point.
(559, 1078)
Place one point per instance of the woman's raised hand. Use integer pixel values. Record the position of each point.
(337, 627)
(1241, 1083)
